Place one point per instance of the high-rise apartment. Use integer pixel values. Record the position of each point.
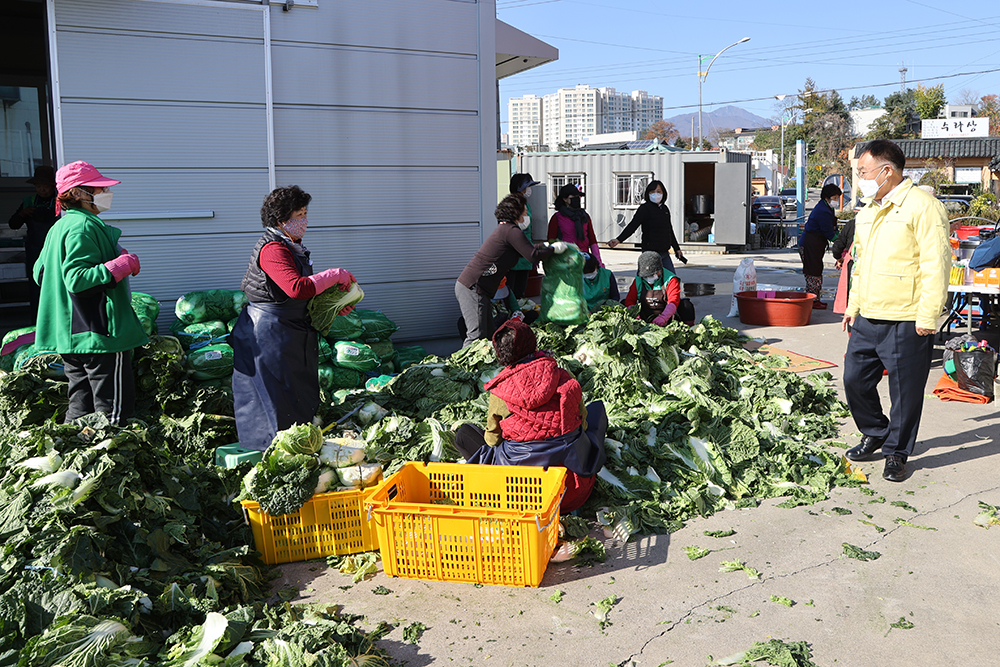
(574, 114)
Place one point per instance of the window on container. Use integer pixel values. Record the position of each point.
(559, 180)
(629, 188)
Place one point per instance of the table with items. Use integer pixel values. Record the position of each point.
(961, 299)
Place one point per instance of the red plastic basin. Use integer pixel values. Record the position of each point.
(784, 309)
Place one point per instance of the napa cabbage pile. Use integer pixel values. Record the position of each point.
(697, 422)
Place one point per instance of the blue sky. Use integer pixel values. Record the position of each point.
(653, 45)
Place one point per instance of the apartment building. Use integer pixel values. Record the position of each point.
(575, 114)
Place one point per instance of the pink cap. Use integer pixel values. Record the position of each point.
(81, 173)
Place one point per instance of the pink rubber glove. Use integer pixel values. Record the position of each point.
(664, 317)
(346, 310)
(324, 280)
(596, 252)
(122, 266)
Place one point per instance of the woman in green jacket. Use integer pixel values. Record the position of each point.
(85, 311)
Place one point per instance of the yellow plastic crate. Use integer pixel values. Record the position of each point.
(474, 523)
(329, 524)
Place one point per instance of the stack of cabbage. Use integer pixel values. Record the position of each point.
(204, 320)
(299, 464)
(357, 346)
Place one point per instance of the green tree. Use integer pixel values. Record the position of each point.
(567, 145)
(864, 102)
(706, 145)
(900, 120)
(681, 143)
(663, 130)
(929, 101)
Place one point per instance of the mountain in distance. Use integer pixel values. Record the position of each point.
(723, 118)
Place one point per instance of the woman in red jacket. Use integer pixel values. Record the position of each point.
(537, 417)
(656, 290)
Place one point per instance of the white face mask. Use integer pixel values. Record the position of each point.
(590, 276)
(524, 223)
(656, 197)
(102, 200)
(870, 186)
(527, 192)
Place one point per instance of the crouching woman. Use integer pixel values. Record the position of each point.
(655, 289)
(537, 417)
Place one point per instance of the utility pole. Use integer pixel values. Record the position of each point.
(902, 77)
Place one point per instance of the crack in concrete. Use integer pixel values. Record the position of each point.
(879, 538)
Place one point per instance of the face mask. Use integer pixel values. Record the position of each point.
(656, 197)
(101, 201)
(590, 276)
(574, 202)
(527, 192)
(652, 280)
(524, 223)
(869, 186)
(296, 228)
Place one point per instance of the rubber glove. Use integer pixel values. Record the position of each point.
(324, 280)
(664, 317)
(559, 246)
(345, 310)
(123, 265)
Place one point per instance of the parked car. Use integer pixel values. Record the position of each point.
(955, 204)
(788, 198)
(769, 208)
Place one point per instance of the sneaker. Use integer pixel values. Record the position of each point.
(819, 305)
(895, 468)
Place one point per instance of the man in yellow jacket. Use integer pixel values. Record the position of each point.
(899, 287)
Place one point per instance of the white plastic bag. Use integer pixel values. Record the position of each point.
(744, 280)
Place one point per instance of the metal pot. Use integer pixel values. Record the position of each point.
(966, 248)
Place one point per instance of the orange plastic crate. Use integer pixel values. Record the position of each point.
(329, 524)
(474, 523)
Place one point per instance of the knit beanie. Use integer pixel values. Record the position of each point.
(649, 264)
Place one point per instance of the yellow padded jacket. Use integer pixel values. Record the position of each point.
(903, 258)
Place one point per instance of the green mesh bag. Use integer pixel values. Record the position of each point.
(383, 348)
(407, 356)
(199, 334)
(563, 301)
(354, 355)
(211, 362)
(333, 378)
(377, 326)
(325, 350)
(346, 327)
(213, 304)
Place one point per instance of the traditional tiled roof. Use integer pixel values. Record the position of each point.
(944, 148)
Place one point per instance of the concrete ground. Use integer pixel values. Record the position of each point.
(940, 574)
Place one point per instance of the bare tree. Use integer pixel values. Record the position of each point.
(966, 96)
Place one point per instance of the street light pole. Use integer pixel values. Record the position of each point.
(704, 75)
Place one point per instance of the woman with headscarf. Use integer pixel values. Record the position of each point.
(275, 349)
(536, 416)
(653, 217)
(820, 228)
(85, 306)
(570, 223)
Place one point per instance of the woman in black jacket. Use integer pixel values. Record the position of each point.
(653, 217)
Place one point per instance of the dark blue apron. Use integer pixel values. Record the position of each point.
(275, 370)
(579, 451)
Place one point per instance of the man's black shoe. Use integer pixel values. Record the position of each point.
(895, 469)
(864, 450)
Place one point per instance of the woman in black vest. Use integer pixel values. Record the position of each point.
(275, 349)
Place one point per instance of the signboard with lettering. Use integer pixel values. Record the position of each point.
(944, 128)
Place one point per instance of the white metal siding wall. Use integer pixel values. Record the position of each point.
(384, 110)
(377, 112)
(170, 99)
